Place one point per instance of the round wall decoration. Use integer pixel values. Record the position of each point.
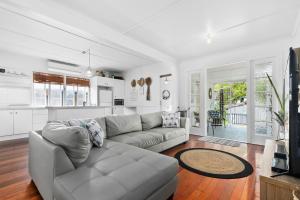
(166, 94)
(214, 163)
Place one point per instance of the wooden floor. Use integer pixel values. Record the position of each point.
(15, 182)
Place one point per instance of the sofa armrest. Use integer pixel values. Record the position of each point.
(185, 123)
(46, 161)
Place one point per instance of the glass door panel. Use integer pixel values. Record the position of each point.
(194, 98)
(263, 99)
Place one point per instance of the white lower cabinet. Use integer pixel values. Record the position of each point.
(22, 121)
(15, 122)
(7, 122)
(118, 110)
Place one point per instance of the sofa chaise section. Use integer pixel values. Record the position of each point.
(118, 171)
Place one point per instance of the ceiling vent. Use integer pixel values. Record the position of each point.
(64, 67)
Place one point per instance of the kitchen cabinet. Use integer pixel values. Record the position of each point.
(118, 110)
(7, 122)
(14, 122)
(104, 81)
(119, 89)
(22, 121)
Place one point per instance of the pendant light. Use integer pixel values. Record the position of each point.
(166, 80)
(88, 72)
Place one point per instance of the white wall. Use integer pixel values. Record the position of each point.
(22, 63)
(277, 49)
(11, 87)
(154, 71)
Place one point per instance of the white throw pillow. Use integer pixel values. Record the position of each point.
(171, 120)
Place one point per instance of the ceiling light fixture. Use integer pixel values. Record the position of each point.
(88, 72)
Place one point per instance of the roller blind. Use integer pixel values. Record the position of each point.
(77, 81)
(39, 77)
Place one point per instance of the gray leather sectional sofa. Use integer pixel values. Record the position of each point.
(122, 169)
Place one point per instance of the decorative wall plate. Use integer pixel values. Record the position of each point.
(133, 83)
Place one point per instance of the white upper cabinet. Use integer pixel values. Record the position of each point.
(104, 81)
(119, 89)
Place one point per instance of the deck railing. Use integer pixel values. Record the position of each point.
(236, 118)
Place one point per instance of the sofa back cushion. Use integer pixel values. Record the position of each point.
(151, 120)
(102, 123)
(116, 125)
(73, 139)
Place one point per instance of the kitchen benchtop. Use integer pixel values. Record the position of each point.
(50, 107)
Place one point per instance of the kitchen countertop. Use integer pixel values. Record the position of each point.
(50, 107)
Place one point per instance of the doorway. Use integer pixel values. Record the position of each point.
(227, 115)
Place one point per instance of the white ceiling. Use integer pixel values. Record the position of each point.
(173, 27)
(31, 37)
(179, 27)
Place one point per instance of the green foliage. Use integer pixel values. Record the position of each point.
(281, 115)
(239, 91)
(233, 92)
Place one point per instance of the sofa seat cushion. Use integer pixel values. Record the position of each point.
(116, 172)
(169, 133)
(142, 139)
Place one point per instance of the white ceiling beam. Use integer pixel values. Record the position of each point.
(57, 16)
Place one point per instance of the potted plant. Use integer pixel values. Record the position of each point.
(280, 116)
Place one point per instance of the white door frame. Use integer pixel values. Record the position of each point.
(198, 130)
(252, 136)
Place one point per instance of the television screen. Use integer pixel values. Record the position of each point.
(294, 115)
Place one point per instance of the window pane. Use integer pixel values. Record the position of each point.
(263, 99)
(56, 95)
(39, 94)
(82, 95)
(70, 95)
(195, 99)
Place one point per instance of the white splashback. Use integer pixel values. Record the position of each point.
(15, 96)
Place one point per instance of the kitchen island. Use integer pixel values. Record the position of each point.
(18, 121)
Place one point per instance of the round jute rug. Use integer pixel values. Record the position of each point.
(214, 163)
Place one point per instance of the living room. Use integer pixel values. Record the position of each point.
(153, 100)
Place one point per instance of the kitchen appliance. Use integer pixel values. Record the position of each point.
(105, 96)
(119, 102)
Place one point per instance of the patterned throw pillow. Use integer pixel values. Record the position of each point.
(171, 120)
(96, 133)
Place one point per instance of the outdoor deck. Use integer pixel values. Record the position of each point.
(232, 132)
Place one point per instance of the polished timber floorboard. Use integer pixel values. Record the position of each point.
(15, 182)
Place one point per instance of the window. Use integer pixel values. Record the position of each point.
(82, 95)
(47, 89)
(195, 99)
(70, 95)
(77, 91)
(56, 94)
(40, 94)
